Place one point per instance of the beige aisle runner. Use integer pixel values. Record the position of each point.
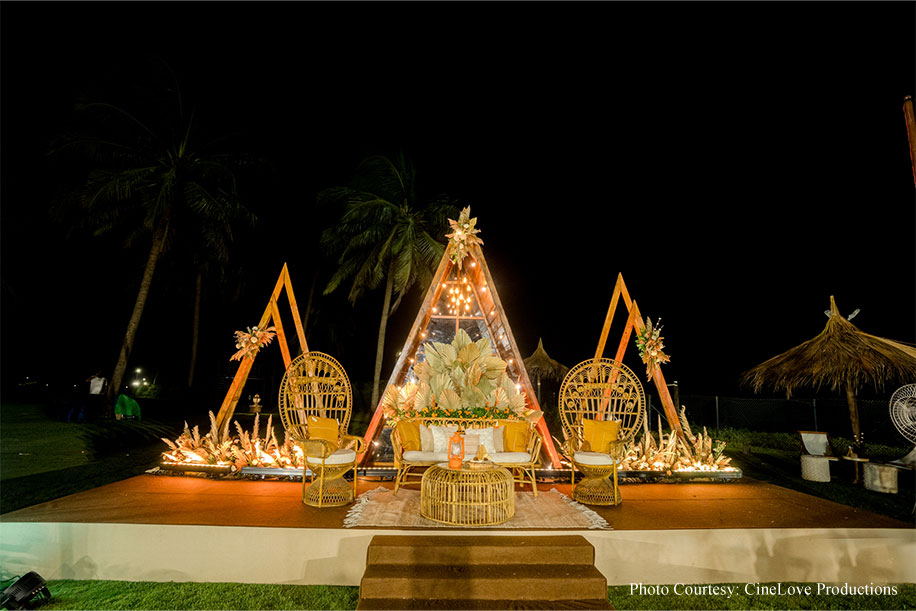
(550, 510)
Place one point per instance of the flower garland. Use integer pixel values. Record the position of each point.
(251, 341)
(649, 342)
(464, 234)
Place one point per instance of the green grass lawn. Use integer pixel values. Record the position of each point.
(43, 458)
(91, 595)
(31, 442)
(70, 594)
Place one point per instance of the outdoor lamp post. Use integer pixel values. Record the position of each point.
(456, 450)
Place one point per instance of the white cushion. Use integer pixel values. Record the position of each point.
(486, 437)
(471, 443)
(426, 438)
(340, 457)
(415, 456)
(593, 458)
(441, 436)
(511, 457)
(498, 438)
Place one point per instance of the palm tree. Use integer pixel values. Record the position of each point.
(151, 181)
(385, 236)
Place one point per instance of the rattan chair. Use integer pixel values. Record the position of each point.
(599, 390)
(316, 386)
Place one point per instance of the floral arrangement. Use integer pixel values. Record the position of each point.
(464, 234)
(251, 341)
(649, 342)
(463, 379)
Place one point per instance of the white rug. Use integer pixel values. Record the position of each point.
(551, 510)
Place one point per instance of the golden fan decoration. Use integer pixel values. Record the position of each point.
(250, 341)
(649, 342)
(464, 234)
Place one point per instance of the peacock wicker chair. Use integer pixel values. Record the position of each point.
(600, 390)
(316, 386)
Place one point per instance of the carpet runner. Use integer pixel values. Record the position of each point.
(551, 510)
(481, 572)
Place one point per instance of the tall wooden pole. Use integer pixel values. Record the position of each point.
(911, 131)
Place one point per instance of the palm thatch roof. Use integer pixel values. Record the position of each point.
(540, 365)
(840, 357)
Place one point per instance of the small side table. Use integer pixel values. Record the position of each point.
(856, 462)
(467, 497)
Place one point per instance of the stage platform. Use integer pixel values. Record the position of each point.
(169, 528)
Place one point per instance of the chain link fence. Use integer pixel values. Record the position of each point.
(830, 414)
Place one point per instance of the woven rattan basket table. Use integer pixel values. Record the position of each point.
(467, 497)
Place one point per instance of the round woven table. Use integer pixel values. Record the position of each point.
(467, 497)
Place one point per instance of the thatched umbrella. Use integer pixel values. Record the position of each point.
(840, 357)
(540, 365)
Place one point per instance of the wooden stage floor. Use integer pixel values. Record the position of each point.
(175, 500)
(172, 528)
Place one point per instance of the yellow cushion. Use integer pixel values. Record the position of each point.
(599, 434)
(409, 432)
(324, 428)
(515, 435)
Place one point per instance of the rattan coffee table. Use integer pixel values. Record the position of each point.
(467, 497)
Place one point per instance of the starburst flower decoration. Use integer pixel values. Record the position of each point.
(250, 341)
(464, 234)
(649, 342)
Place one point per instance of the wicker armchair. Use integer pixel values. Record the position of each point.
(599, 391)
(315, 404)
(411, 464)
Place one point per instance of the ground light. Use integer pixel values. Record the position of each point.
(29, 592)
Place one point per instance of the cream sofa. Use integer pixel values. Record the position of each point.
(434, 436)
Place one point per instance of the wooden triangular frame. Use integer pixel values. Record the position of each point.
(635, 321)
(271, 312)
(484, 290)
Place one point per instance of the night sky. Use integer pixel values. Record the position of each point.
(739, 164)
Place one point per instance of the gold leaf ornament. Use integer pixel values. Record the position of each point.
(463, 235)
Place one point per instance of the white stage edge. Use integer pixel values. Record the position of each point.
(148, 552)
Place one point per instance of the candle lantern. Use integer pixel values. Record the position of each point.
(456, 450)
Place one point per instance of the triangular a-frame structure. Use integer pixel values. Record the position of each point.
(634, 321)
(460, 297)
(271, 313)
